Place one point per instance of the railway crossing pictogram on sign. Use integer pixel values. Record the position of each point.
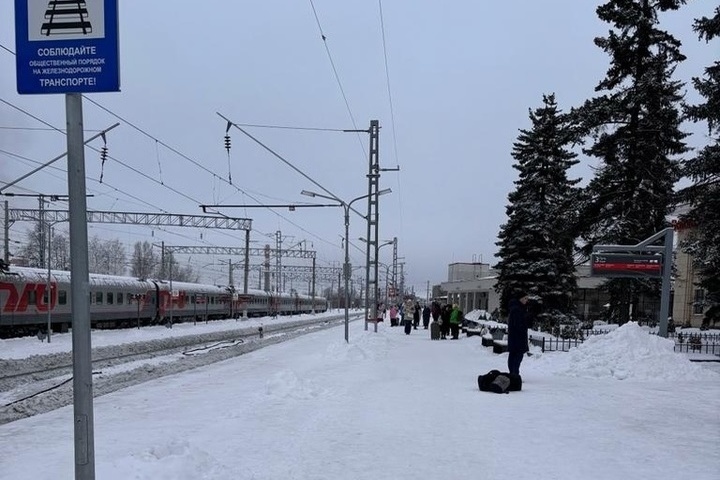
(66, 46)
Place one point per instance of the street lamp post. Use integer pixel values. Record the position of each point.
(346, 268)
(385, 243)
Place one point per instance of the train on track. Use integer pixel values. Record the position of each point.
(119, 302)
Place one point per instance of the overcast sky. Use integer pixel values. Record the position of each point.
(462, 76)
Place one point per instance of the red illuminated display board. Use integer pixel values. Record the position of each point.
(625, 265)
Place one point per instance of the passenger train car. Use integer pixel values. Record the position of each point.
(117, 301)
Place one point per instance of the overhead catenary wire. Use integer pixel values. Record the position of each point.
(337, 76)
(392, 111)
(177, 152)
(148, 177)
(387, 82)
(197, 164)
(285, 161)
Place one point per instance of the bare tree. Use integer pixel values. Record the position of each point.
(143, 261)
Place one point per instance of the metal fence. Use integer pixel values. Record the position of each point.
(707, 345)
(555, 344)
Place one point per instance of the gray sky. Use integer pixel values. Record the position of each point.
(462, 75)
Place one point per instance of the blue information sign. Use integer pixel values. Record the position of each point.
(67, 46)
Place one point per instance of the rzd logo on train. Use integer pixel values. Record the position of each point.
(18, 302)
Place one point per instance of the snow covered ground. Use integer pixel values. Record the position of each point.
(391, 406)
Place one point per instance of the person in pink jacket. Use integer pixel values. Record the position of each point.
(393, 316)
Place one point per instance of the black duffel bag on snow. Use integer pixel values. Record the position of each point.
(499, 382)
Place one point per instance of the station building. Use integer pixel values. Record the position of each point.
(472, 286)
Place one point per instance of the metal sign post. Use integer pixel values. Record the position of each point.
(639, 261)
(72, 48)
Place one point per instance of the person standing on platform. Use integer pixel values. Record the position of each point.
(426, 316)
(455, 319)
(518, 324)
(445, 321)
(393, 316)
(435, 311)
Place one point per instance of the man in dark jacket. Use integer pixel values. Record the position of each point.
(426, 316)
(518, 323)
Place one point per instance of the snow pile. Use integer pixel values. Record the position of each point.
(627, 352)
(478, 315)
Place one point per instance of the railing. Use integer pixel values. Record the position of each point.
(686, 346)
(709, 348)
(555, 344)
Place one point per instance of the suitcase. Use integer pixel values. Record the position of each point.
(408, 327)
(434, 331)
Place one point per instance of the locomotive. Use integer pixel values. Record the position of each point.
(119, 301)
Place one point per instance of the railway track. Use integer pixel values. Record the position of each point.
(43, 383)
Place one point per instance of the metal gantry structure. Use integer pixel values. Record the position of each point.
(246, 253)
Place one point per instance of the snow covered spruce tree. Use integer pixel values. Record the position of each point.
(634, 128)
(703, 196)
(536, 243)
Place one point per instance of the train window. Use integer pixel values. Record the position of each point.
(110, 297)
(32, 297)
(120, 298)
(62, 297)
(99, 298)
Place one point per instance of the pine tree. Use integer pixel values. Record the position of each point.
(703, 196)
(536, 245)
(635, 127)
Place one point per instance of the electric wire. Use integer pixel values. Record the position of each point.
(337, 76)
(202, 167)
(290, 127)
(392, 115)
(387, 81)
(172, 149)
(39, 129)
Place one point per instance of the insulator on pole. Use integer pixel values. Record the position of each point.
(227, 147)
(103, 156)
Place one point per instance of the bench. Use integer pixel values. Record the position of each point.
(500, 346)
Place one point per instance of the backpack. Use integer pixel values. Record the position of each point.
(499, 382)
